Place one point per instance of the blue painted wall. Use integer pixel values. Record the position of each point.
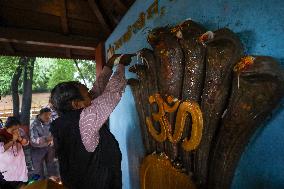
(260, 25)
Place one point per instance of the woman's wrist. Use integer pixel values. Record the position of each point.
(109, 66)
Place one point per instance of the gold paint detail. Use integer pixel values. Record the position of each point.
(197, 124)
(140, 22)
(153, 10)
(127, 36)
(184, 109)
(157, 172)
(158, 117)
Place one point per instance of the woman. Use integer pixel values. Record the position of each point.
(94, 161)
(12, 158)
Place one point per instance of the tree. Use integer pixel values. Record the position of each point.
(88, 71)
(15, 86)
(7, 66)
(80, 71)
(39, 75)
(43, 69)
(64, 70)
(47, 73)
(25, 66)
(27, 91)
(68, 70)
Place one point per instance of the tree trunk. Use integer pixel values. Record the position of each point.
(15, 86)
(27, 91)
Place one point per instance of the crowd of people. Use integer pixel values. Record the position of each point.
(12, 158)
(87, 152)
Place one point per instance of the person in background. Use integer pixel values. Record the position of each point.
(14, 172)
(88, 153)
(54, 114)
(42, 145)
(1, 124)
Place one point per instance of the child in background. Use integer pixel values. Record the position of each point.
(88, 154)
(12, 157)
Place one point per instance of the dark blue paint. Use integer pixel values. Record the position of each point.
(260, 25)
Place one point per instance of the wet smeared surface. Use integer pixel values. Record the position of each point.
(223, 52)
(253, 97)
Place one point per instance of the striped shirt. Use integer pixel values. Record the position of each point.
(107, 95)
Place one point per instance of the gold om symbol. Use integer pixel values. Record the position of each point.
(184, 109)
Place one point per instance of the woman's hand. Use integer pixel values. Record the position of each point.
(110, 62)
(20, 137)
(124, 59)
(16, 135)
(22, 140)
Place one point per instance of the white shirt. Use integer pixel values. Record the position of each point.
(13, 163)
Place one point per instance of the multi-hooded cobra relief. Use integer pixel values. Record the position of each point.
(199, 99)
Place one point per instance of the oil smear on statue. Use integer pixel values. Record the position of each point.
(199, 101)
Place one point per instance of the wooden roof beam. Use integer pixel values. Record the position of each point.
(42, 38)
(94, 7)
(64, 20)
(90, 56)
(122, 7)
(9, 47)
(64, 23)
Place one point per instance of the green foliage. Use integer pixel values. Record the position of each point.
(42, 73)
(88, 70)
(63, 70)
(48, 72)
(8, 65)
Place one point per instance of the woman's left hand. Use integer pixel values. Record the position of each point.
(24, 142)
(16, 135)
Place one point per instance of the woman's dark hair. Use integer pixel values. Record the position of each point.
(12, 121)
(44, 110)
(63, 94)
